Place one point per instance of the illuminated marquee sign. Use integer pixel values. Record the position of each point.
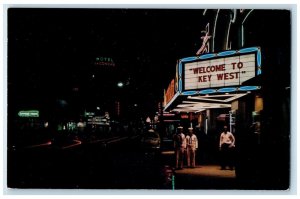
(219, 72)
(222, 72)
(29, 113)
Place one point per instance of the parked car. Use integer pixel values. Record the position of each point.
(151, 140)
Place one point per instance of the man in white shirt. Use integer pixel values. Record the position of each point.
(179, 145)
(192, 145)
(227, 144)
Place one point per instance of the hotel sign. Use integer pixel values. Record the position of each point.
(104, 61)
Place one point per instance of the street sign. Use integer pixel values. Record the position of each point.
(29, 113)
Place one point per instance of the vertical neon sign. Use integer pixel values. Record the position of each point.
(205, 41)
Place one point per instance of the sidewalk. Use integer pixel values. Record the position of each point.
(212, 171)
(205, 177)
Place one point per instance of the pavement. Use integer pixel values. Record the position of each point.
(202, 177)
(205, 177)
(212, 171)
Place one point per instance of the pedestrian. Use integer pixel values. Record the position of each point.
(179, 145)
(226, 145)
(192, 146)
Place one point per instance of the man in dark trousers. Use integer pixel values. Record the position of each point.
(227, 144)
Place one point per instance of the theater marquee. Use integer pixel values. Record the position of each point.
(216, 73)
(219, 70)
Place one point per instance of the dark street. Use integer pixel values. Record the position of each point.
(109, 164)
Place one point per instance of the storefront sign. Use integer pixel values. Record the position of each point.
(29, 113)
(98, 120)
(184, 116)
(170, 91)
(89, 114)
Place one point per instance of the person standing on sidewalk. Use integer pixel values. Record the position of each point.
(179, 145)
(226, 145)
(192, 146)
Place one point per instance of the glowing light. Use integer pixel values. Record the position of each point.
(189, 93)
(248, 50)
(76, 143)
(180, 69)
(232, 20)
(29, 113)
(180, 85)
(247, 16)
(225, 90)
(120, 84)
(258, 58)
(188, 59)
(214, 32)
(226, 53)
(249, 88)
(259, 72)
(207, 91)
(206, 56)
(205, 41)
(40, 145)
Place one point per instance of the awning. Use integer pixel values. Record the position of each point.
(198, 103)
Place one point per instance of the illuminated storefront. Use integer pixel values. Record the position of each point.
(247, 88)
(213, 81)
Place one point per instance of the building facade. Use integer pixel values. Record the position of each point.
(257, 109)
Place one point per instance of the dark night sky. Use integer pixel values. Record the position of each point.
(51, 51)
